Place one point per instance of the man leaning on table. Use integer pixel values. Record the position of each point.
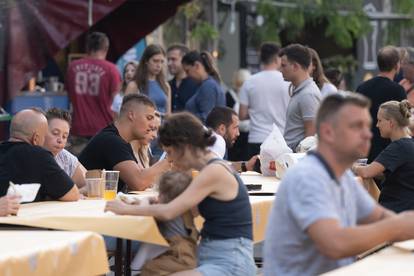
(23, 160)
(322, 217)
(110, 149)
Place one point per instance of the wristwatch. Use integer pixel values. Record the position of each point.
(243, 167)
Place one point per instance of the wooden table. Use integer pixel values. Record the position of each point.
(89, 215)
(86, 215)
(270, 184)
(43, 253)
(397, 259)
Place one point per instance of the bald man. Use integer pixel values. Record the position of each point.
(23, 160)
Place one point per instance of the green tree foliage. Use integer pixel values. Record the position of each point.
(345, 19)
(198, 31)
(405, 7)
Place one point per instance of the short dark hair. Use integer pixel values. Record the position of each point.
(180, 47)
(135, 99)
(57, 113)
(97, 41)
(220, 115)
(332, 104)
(297, 53)
(184, 129)
(388, 58)
(268, 51)
(172, 184)
(334, 75)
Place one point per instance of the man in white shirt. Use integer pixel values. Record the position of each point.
(225, 124)
(264, 98)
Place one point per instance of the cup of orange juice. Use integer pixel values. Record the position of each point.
(194, 173)
(111, 184)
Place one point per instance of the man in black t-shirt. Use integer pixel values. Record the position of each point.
(110, 148)
(398, 189)
(381, 89)
(23, 160)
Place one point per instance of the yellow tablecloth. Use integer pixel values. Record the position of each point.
(261, 206)
(270, 184)
(43, 253)
(392, 260)
(86, 215)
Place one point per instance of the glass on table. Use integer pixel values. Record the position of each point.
(194, 173)
(95, 188)
(111, 184)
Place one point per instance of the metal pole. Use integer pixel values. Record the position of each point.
(90, 15)
(214, 10)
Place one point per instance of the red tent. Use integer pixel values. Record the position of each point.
(31, 31)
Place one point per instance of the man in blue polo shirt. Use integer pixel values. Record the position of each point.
(322, 218)
(182, 87)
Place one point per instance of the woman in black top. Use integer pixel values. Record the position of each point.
(226, 246)
(396, 161)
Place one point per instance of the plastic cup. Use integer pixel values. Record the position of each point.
(111, 184)
(95, 187)
(195, 173)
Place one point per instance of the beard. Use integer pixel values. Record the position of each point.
(229, 142)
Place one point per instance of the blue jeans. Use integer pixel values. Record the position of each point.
(110, 243)
(226, 257)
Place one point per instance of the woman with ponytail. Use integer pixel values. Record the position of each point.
(226, 246)
(396, 161)
(201, 68)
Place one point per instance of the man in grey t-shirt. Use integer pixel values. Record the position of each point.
(306, 95)
(322, 217)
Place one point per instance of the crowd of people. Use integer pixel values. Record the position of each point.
(153, 130)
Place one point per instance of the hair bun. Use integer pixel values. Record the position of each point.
(207, 132)
(405, 108)
(209, 137)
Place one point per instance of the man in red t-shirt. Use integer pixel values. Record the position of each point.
(91, 83)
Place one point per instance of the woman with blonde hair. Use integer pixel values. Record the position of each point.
(396, 161)
(316, 72)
